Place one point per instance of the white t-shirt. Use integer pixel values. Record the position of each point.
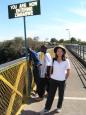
(46, 60)
(59, 70)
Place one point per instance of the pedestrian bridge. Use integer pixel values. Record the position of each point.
(16, 84)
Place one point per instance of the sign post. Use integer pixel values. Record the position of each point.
(22, 10)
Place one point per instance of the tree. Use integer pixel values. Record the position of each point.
(34, 43)
(61, 40)
(10, 50)
(53, 40)
(36, 38)
(79, 41)
(73, 40)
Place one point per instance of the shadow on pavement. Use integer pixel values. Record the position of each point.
(30, 112)
(32, 99)
(29, 100)
(52, 112)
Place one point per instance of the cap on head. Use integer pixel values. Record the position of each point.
(59, 46)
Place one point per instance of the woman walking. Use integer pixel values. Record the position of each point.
(60, 73)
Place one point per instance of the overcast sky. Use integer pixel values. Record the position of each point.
(56, 16)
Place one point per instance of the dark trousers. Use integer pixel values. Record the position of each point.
(36, 74)
(54, 84)
(43, 85)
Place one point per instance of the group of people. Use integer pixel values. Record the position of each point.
(50, 74)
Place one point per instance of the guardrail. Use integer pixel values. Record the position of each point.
(13, 84)
(79, 51)
(13, 79)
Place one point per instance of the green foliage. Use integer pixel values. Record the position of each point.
(83, 43)
(73, 40)
(34, 43)
(10, 50)
(53, 40)
(61, 40)
(14, 49)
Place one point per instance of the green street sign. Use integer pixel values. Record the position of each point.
(24, 9)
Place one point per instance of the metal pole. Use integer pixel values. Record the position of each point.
(25, 38)
(83, 52)
(28, 88)
(80, 51)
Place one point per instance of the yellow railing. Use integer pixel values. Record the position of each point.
(13, 85)
(13, 77)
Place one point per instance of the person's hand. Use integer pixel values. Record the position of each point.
(47, 76)
(39, 65)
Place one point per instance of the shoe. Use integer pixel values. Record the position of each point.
(38, 99)
(34, 95)
(58, 110)
(44, 111)
(46, 94)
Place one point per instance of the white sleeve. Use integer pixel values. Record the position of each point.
(48, 60)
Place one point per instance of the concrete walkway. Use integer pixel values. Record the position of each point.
(74, 101)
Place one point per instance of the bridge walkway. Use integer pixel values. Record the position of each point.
(75, 95)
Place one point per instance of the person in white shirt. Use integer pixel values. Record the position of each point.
(46, 63)
(60, 73)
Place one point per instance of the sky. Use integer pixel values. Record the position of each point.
(58, 19)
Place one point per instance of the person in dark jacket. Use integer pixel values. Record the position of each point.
(33, 58)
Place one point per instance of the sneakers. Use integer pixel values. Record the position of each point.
(34, 95)
(58, 110)
(44, 111)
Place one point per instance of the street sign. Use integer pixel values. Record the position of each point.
(24, 9)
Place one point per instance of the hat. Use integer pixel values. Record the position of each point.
(59, 46)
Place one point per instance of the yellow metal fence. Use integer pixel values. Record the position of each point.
(12, 83)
